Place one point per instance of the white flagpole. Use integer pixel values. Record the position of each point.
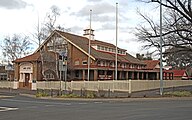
(89, 47)
(116, 41)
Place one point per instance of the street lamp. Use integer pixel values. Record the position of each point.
(161, 64)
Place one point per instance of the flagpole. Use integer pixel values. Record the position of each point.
(116, 41)
(89, 47)
(161, 61)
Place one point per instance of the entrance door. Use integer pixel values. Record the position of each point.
(27, 76)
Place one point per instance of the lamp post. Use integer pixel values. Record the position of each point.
(161, 64)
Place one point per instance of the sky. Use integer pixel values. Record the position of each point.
(21, 17)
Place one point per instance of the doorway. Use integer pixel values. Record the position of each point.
(27, 77)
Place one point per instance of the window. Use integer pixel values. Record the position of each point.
(84, 62)
(77, 73)
(123, 65)
(106, 48)
(49, 75)
(102, 48)
(111, 64)
(3, 77)
(99, 63)
(98, 47)
(131, 66)
(77, 62)
(110, 50)
(101, 72)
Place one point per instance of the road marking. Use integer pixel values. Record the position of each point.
(49, 105)
(98, 102)
(82, 103)
(7, 109)
(36, 102)
(3, 96)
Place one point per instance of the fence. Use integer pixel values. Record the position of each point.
(9, 84)
(119, 85)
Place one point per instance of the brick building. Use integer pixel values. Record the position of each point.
(6, 72)
(63, 51)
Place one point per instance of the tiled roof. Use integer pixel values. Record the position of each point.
(35, 57)
(151, 64)
(178, 73)
(32, 57)
(83, 42)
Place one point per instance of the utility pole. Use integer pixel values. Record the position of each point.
(161, 40)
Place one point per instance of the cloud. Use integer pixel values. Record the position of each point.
(12, 4)
(94, 0)
(103, 18)
(108, 26)
(76, 29)
(97, 9)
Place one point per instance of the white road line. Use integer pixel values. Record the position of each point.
(98, 102)
(49, 105)
(7, 109)
(36, 102)
(82, 103)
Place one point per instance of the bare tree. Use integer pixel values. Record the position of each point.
(44, 29)
(15, 47)
(177, 28)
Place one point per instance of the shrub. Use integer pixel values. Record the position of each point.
(41, 94)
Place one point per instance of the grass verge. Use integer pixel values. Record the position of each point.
(179, 94)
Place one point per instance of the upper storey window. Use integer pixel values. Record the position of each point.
(57, 43)
(109, 49)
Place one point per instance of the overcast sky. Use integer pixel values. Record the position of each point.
(21, 16)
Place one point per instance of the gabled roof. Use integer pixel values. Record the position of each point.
(178, 73)
(83, 43)
(151, 64)
(32, 57)
(36, 57)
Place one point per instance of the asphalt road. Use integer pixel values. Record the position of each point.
(27, 108)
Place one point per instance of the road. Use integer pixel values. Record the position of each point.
(26, 108)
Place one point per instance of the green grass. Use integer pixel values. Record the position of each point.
(69, 96)
(179, 93)
(41, 94)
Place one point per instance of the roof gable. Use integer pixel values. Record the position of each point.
(178, 73)
(152, 64)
